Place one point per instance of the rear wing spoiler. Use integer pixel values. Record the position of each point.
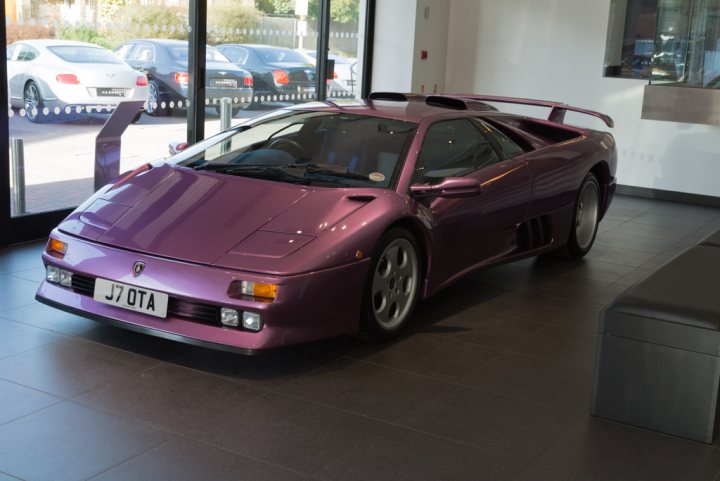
(557, 109)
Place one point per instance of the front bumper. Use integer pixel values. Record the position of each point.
(308, 307)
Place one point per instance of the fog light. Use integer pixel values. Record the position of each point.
(229, 317)
(258, 289)
(52, 274)
(252, 321)
(65, 278)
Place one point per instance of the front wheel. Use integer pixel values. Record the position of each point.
(33, 103)
(392, 286)
(586, 218)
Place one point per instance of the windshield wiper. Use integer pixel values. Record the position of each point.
(329, 169)
(295, 170)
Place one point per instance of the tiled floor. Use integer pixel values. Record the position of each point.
(492, 382)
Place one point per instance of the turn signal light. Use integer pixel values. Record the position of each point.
(56, 248)
(281, 77)
(67, 78)
(141, 81)
(182, 77)
(259, 289)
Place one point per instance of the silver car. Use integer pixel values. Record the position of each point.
(51, 77)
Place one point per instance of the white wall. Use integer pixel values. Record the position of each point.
(393, 45)
(401, 33)
(554, 49)
(431, 35)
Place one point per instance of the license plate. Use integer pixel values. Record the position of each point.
(129, 297)
(224, 83)
(111, 92)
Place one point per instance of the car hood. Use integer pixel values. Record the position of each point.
(211, 218)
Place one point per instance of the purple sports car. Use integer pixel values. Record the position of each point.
(321, 219)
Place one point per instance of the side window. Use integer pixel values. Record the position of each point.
(143, 53)
(452, 148)
(123, 51)
(509, 148)
(236, 54)
(27, 53)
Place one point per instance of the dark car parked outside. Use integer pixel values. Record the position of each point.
(275, 70)
(165, 62)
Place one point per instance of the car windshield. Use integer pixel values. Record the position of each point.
(275, 55)
(83, 54)
(180, 53)
(308, 147)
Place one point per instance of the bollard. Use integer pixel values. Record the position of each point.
(225, 113)
(18, 176)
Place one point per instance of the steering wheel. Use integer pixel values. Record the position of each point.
(291, 147)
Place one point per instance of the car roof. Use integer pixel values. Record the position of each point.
(411, 110)
(56, 43)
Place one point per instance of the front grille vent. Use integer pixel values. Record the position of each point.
(192, 311)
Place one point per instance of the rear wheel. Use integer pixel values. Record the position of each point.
(155, 101)
(586, 218)
(33, 103)
(392, 286)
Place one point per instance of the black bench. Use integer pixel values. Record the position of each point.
(658, 356)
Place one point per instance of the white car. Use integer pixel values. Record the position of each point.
(51, 77)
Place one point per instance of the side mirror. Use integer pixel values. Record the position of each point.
(451, 187)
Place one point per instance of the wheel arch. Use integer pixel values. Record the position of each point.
(421, 236)
(601, 170)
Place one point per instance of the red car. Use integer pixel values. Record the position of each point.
(322, 219)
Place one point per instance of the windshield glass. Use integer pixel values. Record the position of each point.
(308, 147)
(82, 54)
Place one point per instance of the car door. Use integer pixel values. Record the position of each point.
(471, 231)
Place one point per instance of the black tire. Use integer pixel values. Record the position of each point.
(33, 103)
(155, 101)
(392, 287)
(586, 218)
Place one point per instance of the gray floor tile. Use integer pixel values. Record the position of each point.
(404, 455)
(561, 388)
(185, 460)
(289, 432)
(71, 367)
(20, 258)
(17, 401)
(365, 389)
(598, 451)
(16, 292)
(152, 396)
(516, 428)
(70, 442)
(572, 348)
(46, 317)
(429, 354)
(483, 328)
(270, 370)
(17, 337)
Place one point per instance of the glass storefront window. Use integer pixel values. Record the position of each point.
(68, 66)
(687, 44)
(675, 42)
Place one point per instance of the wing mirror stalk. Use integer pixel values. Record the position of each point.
(451, 187)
